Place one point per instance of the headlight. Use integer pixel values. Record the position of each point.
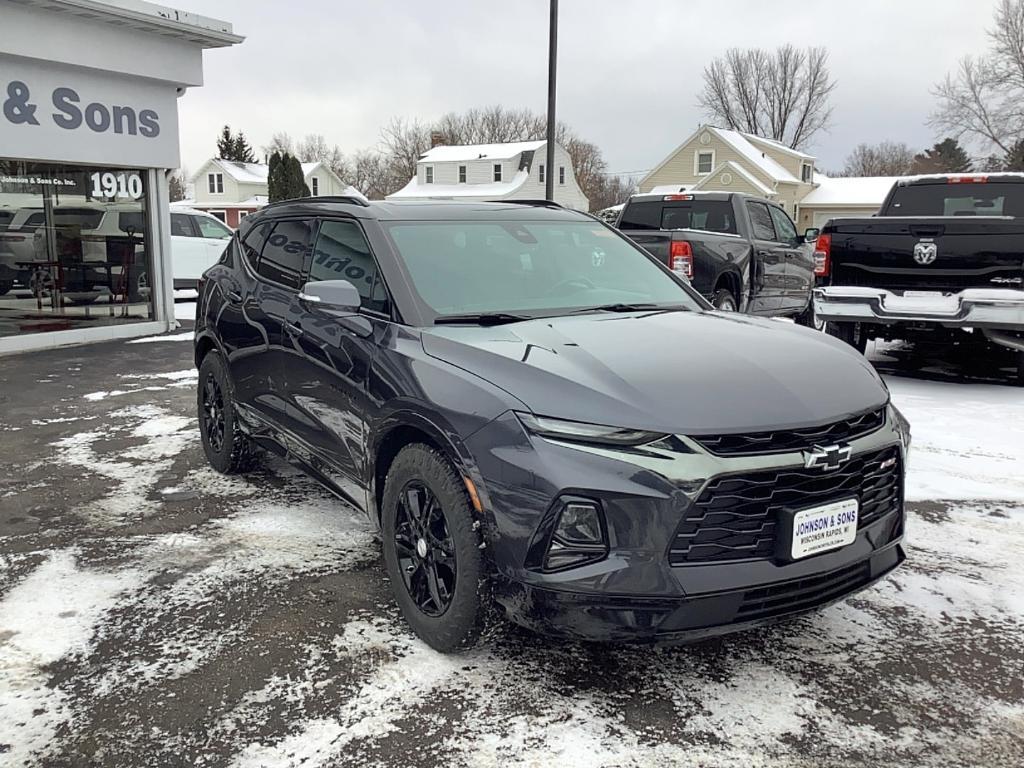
(580, 432)
(902, 426)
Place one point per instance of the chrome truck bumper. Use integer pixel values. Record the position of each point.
(998, 312)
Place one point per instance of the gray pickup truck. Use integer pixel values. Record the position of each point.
(741, 252)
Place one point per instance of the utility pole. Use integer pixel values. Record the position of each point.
(549, 178)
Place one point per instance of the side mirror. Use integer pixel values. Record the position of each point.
(811, 235)
(337, 295)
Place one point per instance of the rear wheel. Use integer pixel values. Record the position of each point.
(724, 301)
(432, 550)
(809, 318)
(851, 333)
(228, 449)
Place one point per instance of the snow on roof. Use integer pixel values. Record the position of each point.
(496, 189)
(444, 154)
(770, 167)
(777, 145)
(849, 191)
(706, 183)
(255, 173)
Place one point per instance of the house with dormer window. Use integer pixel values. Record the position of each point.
(719, 160)
(482, 172)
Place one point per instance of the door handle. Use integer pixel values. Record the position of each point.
(293, 329)
(234, 297)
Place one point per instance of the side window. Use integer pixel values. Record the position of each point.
(342, 253)
(212, 228)
(253, 243)
(285, 251)
(761, 221)
(785, 228)
(181, 225)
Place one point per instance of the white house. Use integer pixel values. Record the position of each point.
(481, 172)
(231, 190)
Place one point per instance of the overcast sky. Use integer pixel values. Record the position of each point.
(629, 70)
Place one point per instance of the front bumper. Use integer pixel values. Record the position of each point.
(609, 618)
(643, 590)
(996, 308)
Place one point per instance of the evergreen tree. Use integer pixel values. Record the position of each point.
(945, 157)
(242, 151)
(274, 178)
(226, 144)
(1014, 160)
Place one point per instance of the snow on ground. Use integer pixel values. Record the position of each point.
(158, 613)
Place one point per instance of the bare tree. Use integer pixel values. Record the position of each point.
(405, 141)
(281, 143)
(888, 158)
(983, 100)
(315, 149)
(781, 94)
(176, 185)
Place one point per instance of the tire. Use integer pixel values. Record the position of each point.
(453, 612)
(809, 318)
(227, 448)
(5, 287)
(851, 333)
(724, 301)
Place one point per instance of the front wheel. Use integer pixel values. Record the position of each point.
(432, 550)
(851, 333)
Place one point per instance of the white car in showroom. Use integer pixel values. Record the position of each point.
(197, 241)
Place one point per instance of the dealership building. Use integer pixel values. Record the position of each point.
(88, 136)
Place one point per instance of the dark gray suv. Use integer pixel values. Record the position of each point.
(546, 422)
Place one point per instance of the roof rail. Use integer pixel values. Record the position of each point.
(535, 203)
(351, 199)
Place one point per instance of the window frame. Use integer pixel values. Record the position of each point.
(796, 235)
(390, 315)
(428, 174)
(215, 182)
(807, 173)
(222, 211)
(696, 162)
(775, 235)
(497, 170)
(462, 174)
(314, 186)
(561, 175)
(190, 218)
(541, 174)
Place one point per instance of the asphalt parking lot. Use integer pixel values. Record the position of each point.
(155, 613)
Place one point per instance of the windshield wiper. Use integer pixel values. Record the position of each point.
(482, 318)
(626, 307)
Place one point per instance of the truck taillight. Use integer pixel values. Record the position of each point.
(823, 255)
(967, 180)
(680, 258)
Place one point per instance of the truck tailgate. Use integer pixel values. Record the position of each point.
(928, 253)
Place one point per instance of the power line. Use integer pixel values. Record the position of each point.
(625, 173)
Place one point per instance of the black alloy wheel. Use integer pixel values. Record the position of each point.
(213, 412)
(425, 550)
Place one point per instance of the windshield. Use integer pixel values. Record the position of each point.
(964, 199)
(532, 268)
(705, 215)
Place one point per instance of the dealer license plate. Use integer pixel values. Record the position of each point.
(820, 529)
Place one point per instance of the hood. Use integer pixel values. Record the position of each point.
(677, 372)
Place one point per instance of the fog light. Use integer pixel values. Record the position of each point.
(579, 524)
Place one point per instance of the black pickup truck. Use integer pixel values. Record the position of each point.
(742, 253)
(944, 255)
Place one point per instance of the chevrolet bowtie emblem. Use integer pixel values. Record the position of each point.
(827, 456)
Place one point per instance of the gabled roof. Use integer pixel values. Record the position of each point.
(777, 146)
(465, 152)
(742, 144)
(706, 183)
(494, 190)
(253, 173)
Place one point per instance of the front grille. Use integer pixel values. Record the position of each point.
(802, 594)
(736, 516)
(788, 440)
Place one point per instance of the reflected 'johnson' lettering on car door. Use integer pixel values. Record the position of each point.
(19, 108)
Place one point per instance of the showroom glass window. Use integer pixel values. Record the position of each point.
(74, 247)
